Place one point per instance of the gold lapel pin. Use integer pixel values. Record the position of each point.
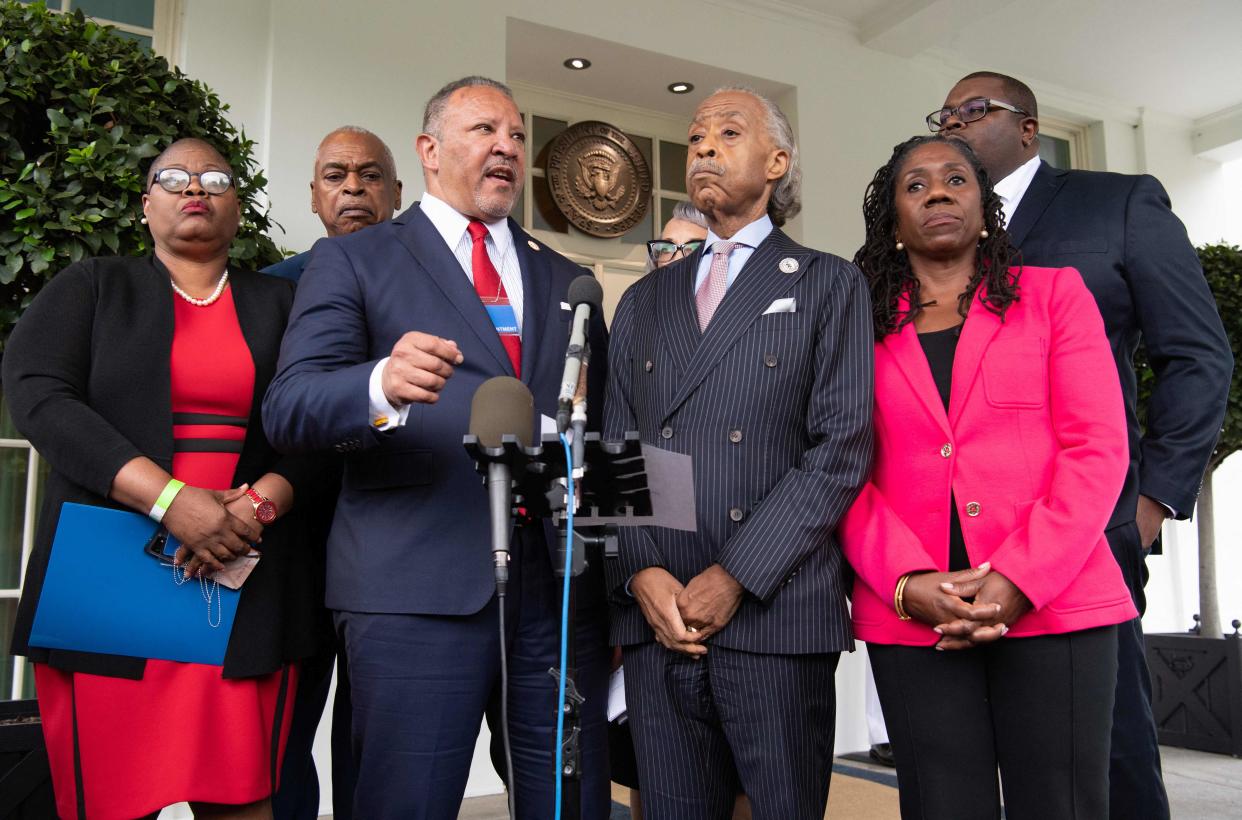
(789, 265)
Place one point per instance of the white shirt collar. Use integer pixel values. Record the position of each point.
(451, 224)
(1013, 187)
(751, 236)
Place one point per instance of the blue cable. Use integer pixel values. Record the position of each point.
(569, 549)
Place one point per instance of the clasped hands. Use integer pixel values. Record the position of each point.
(939, 600)
(213, 526)
(683, 617)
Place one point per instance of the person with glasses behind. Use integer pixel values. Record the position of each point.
(1119, 231)
(682, 236)
(140, 381)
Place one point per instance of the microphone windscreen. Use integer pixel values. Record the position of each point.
(586, 289)
(502, 406)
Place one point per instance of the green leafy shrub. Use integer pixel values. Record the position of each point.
(82, 111)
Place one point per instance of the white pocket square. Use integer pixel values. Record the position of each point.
(565, 306)
(789, 305)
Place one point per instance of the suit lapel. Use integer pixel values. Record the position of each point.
(980, 328)
(678, 322)
(538, 319)
(1039, 194)
(908, 353)
(425, 244)
(757, 284)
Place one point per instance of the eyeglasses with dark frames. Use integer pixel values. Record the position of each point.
(661, 251)
(969, 111)
(176, 180)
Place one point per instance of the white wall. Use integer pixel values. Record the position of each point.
(294, 70)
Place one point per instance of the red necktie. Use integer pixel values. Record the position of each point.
(492, 291)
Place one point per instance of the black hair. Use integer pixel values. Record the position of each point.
(1018, 92)
(888, 270)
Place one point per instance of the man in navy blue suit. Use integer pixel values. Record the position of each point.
(393, 329)
(355, 186)
(1133, 253)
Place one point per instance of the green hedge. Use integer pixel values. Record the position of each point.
(82, 110)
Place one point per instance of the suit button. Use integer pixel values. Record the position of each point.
(769, 359)
(972, 508)
(735, 436)
(946, 450)
(667, 432)
(735, 514)
(649, 365)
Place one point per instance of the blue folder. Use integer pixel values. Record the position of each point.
(104, 593)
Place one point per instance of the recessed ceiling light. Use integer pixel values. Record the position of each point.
(577, 63)
(681, 88)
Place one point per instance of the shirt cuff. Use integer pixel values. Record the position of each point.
(383, 415)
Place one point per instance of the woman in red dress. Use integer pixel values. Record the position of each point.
(140, 381)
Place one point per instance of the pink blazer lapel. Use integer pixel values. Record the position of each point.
(906, 351)
(980, 328)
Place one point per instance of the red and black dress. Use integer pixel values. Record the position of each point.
(182, 732)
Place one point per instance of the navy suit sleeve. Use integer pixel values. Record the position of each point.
(802, 510)
(637, 550)
(1186, 345)
(319, 398)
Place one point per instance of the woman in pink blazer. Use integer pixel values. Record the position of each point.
(984, 586)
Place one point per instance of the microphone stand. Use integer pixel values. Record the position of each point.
(612, 482)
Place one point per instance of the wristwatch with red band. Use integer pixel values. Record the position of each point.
(264, 508)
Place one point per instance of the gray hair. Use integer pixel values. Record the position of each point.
(390, 164)
(786, 199)
(685, 211)
(433, 114)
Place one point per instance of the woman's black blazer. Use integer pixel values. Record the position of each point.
(86, 378)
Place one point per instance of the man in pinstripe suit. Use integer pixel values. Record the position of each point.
(755, 358)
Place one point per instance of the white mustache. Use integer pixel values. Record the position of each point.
(501, 163)
(705, 164)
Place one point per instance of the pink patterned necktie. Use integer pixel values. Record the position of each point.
(713, 288)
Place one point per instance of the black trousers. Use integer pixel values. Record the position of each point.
(1136, 784)
(704, 728)
(1038, 709)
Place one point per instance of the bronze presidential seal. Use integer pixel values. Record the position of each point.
(599, 179)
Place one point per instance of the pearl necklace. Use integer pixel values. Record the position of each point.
(210, 300)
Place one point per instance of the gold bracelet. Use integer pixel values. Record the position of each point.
(897, 597)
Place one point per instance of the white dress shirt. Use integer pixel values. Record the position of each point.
(452, 227)
(1012, 188)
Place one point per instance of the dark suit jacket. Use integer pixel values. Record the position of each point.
(1137, 261)
(411, 533)
(290, 268)
(776, 412)
(87, 380)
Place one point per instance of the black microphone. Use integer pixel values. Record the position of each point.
(585, 294)
(501, 406)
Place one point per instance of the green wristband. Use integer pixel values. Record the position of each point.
(161, 505)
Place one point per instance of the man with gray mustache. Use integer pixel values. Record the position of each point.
(754, 357)
(392, 331)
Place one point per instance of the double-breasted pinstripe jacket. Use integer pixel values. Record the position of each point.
(775, 410)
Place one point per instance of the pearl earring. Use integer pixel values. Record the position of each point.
(983, 234)
(900, 245)
(143, 220)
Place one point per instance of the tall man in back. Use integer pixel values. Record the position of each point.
(754, 357)
(354, 186)
(1136, 259)
(393, 329)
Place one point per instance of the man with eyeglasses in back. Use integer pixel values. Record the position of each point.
(1134, 255)
(682, 236)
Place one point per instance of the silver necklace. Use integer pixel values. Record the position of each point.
(210, 300)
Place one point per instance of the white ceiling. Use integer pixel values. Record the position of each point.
(1179, 57)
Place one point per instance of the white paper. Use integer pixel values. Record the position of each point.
(236, 570)
(616, 696)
